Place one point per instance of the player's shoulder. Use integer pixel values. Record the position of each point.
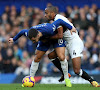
(58, 16)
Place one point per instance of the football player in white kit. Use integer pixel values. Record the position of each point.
(74, 44)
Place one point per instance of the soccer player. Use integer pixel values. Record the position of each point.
(40, 32)
(75, 45)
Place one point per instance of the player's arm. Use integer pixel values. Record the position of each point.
(22, 32)
(63, 23)
(59, 35)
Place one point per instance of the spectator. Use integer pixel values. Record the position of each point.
(7, 10)
(13, 65)
(98, 18)
(8, 58)
(1, 64)
(83, 23)
(48, 67)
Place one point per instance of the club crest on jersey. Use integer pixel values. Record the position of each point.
(26, 34)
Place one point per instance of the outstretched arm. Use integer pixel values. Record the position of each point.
(63, 23)
(22, 32)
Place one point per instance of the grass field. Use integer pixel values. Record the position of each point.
(48, 87)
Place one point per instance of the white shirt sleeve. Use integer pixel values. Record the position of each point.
(58, 16)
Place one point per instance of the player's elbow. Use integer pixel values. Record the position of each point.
(60, 36)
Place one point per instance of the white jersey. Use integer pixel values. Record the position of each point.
(74, 44)
(67, 35)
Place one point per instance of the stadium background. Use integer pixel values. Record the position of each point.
(15, 59)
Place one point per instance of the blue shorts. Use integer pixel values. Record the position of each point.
(44, 46)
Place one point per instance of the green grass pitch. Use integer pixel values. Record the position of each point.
(48, 87)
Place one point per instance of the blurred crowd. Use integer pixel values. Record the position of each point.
(17, 57)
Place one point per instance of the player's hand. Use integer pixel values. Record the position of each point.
(73, 30)
(10, 40)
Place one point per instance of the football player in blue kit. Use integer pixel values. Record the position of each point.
(37, 34)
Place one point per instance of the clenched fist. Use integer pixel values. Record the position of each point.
(10, 40)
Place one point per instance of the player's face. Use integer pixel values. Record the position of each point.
(49, 15)
(34, 40)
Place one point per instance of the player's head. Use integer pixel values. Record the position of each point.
(50, 12)
(33, 35)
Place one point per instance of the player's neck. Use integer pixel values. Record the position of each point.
(54, 16)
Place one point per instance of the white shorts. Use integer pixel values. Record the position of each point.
(75, 48)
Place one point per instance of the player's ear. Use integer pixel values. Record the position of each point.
(38, 36)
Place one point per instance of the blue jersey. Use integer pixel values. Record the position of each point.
(46, 29)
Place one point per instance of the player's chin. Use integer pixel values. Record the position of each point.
(37, 40)
(49, 19)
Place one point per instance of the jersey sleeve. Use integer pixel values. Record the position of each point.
(58, 16)
(59, 22)
(22, 32)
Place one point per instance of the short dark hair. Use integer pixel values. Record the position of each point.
(52, 9)
(32, 33)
